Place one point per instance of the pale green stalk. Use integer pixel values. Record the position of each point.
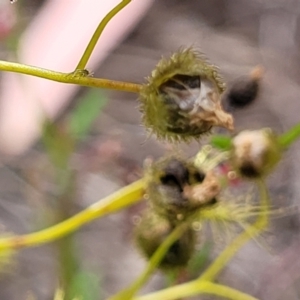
(112, 203)
(204, 283)
(91, 46)
(251, 231)
(193, 288)
(156, 258)
(71, 78)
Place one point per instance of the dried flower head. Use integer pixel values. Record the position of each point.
(182, 99)
(176, 188)
(203, 193)
(255, 153)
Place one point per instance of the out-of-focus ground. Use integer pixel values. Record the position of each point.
(235, 35)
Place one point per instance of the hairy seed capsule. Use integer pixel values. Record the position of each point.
(176, 188)
(153, 230)
(182, 99)
(255, 153)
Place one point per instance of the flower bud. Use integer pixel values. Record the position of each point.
(182, 99)
(255, 153)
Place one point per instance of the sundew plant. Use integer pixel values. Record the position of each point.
(180, 101)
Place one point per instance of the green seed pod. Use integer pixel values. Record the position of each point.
(182, 99)
(255, 153)
(176, 188)
(153, 230)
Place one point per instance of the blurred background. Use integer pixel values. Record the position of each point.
(235, 35)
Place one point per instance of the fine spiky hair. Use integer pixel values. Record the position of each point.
(161, 115)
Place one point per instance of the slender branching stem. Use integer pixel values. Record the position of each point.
(156, 258)
(72, 78)
(204, 283)
(251, 231)
(114, 202)
(194, 288)
(90, 47)
(289, 137)
(78, 76)
(134, 192)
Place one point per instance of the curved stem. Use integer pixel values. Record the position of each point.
(72, 78)
(251, 231)
(289, 137)
(114, 202)
(203, 284)
(194, 288)
(90, 47)
(156, 258)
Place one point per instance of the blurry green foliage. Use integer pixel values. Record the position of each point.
(83, 116)
(85, 286)
(60, 141)
(199, 260)
(221, 142)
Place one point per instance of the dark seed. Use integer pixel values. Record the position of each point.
(248, 170)
(170, 180)
(181, 82)
(198, 177)
(192, 82)
(243, 93)
(176, 174)
(172, 84)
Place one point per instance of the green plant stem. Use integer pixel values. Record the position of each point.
(289, 137)
(71, 78)
(194, 288)
(156, 258)
(69, 261)
(251, 231)
(91, 46)
(114, 202)
(203, 284)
